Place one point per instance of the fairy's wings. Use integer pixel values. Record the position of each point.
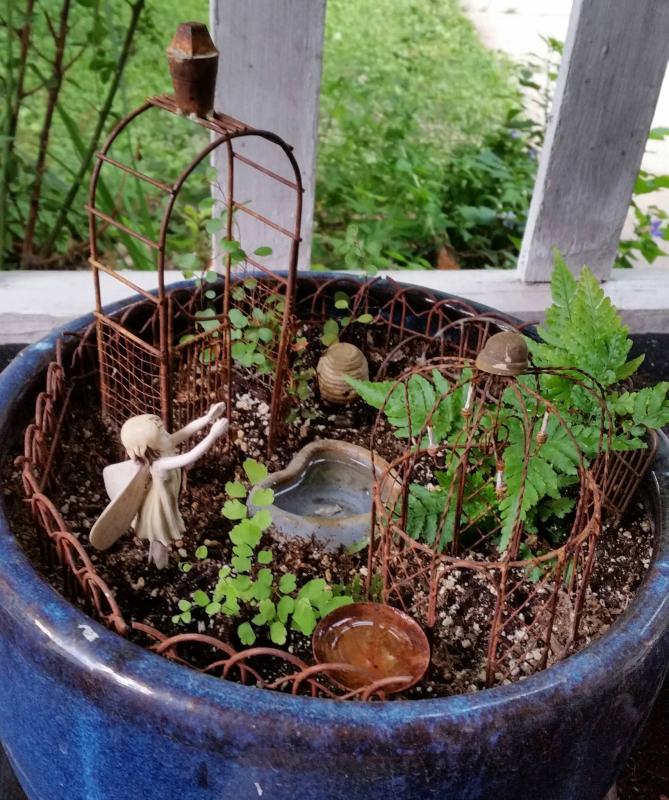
(127, 485)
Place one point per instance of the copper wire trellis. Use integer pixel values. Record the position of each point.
(41, 451)
(449, 331)
(140, 374)
(491, 407)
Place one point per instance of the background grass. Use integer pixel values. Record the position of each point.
(407, 89)
(421, 56)
(408, 94)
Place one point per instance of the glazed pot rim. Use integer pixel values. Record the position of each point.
(37, 611)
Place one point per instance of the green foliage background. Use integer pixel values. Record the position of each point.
(406, 87)
(425, 153)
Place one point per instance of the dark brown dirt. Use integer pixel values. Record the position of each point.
(466, 599)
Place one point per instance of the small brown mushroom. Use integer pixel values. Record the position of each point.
(504, 353)
(338, 361)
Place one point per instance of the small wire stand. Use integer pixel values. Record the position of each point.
(499, 419)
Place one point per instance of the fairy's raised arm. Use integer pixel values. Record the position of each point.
(215, 412)
(167, 463)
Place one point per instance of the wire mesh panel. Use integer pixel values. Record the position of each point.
(246, 327)
(129, 373)
(621, 476)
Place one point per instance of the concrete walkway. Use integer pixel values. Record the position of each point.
(517, 28)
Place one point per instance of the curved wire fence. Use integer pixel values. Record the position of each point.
(451, 331)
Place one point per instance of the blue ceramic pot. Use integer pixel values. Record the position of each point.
(98, 718)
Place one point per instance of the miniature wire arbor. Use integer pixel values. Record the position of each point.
(181, 360)
(483, 448)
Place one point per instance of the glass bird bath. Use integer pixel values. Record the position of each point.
(380, 644)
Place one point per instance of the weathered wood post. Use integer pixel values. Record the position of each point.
(269, 76)
(614, 61)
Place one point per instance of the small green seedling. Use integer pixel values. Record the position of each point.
(248, 586)
(333, 327)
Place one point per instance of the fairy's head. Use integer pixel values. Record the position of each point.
(144, 437)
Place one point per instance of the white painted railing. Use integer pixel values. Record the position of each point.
(614, 60)
(31, 303)
(270, 66)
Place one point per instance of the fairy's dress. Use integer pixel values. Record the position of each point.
(159, 518)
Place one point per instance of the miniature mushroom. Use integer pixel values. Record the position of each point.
(504, 353)
(339, 361)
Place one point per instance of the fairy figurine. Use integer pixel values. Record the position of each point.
(144, 491)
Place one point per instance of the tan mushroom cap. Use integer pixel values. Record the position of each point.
(338, 361)
(504, 353)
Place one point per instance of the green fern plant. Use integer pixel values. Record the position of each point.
(412, 407)
(583, 332)
(535, 482)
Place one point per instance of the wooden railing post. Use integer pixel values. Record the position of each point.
(614, 61)
(269, 76)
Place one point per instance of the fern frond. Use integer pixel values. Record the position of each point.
(426, 510)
